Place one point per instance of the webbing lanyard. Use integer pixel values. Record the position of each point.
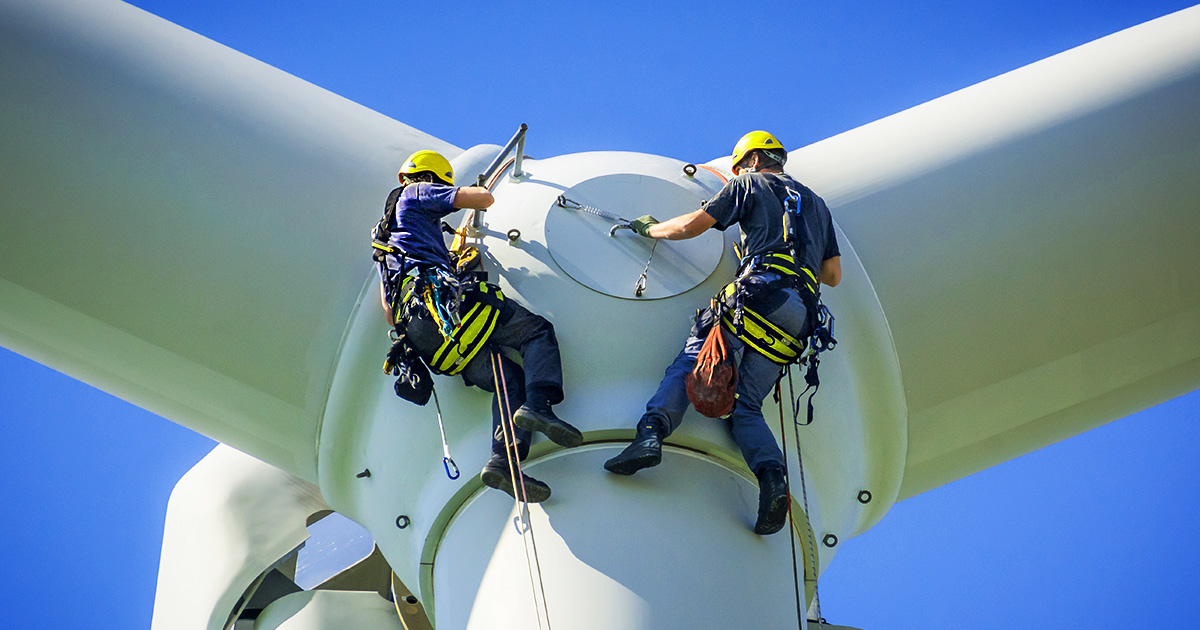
(447, 460)
(821, 340)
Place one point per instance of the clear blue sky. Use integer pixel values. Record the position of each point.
(1096, 531)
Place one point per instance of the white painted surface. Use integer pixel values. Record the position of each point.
(650, 551)
(214, 208)
(1032, 240)
(330, 610)
(979, 238)
(583, 248)
(230, 519)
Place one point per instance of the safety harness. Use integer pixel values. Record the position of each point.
(482, 303)
(750, 326)
(734, 304)
(463, 305)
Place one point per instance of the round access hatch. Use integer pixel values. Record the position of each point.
(581, 244)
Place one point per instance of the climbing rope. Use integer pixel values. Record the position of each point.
(812, 542)
(524, 522)
(442, 296)
(800, 617)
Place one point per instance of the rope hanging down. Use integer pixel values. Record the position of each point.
(517, 477)
(791, 518)
(812, 541)
(821, 340)
(640, 285)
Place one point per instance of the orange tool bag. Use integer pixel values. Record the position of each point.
(713, 382)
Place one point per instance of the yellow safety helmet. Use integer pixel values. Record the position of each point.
(428, 161)
(758, 140)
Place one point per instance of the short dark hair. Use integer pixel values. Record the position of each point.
(422, 176)
(766, 159)
(771, 158)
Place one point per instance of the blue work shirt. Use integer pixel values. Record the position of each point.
(754, 201)
(417, 229)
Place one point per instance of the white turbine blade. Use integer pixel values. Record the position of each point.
(231, 519)
(1034, 241)
(183, 226)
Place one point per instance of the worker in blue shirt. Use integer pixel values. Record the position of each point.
(426, 196)
(770, 283)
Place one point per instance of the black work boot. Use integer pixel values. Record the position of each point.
(542, 419)
(645, 450)
(496, 475)
(772, 501)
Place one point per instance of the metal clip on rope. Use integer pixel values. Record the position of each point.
(640, 286)
(447, 460)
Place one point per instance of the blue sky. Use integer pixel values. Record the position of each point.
(1096, 530)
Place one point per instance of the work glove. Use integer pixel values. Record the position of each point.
(642, 224)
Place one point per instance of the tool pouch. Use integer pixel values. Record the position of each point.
(712, 384)
(413, 383)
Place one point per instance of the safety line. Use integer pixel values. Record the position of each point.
(499, 173)
(800, 615)
(812, 541)
(510, 453)
(509, 429)
(640, 286)
(719, 174)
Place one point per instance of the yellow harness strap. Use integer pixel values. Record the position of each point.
(757, 331)
(782, 264)
(472, 333)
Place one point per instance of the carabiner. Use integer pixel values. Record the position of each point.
(447, 461)
(449, 464)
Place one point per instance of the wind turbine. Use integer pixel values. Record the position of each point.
(234, 390)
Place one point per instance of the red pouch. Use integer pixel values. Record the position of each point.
(713, 382)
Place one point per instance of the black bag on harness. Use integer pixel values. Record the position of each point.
(413, 381)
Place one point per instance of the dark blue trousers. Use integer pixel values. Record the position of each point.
(756, 376)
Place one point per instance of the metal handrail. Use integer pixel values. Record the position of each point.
(517, 139)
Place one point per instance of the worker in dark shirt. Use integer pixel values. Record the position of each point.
(427, 196)
(783, 291)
